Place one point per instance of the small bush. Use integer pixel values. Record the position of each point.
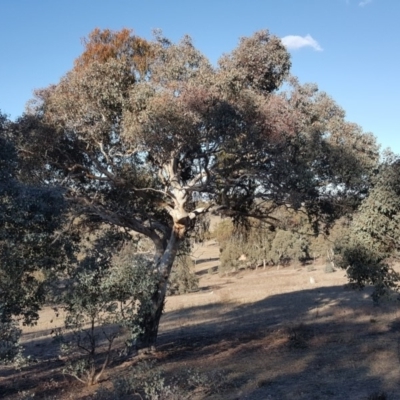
(11, 351)
(145, 381)
(212, 382)
(9, 341)
(101, 305)
(183, 278)
(287, 247)
(329, 268)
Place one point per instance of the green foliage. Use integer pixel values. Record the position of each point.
(183, 278)
(288, 246)
(147, 381)
(259, 244)
(243, 247)
(364, 266)
(10, 335)
(105, 298)
(31, 243)
(378, 220)
(290, 240)
(373, 236)
(261, 68)
(223, 231)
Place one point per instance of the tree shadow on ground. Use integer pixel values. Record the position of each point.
(322, 343)
(325, 343)
(46, 365)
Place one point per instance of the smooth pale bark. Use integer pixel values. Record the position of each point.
(146, 341)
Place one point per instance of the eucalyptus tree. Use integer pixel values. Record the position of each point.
(138, 132)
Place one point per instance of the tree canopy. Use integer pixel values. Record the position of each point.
(139, 132)
(30, 218)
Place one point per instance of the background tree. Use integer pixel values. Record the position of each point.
(139, 132)
(372, 239)
(31, 245)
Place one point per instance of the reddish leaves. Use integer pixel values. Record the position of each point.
(103, 45)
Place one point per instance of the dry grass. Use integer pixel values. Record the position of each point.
(266, 334)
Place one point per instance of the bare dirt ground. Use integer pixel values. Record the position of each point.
(262, 334)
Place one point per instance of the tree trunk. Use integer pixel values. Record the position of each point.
(146, 342)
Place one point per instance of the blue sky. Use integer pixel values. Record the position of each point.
(350, 48)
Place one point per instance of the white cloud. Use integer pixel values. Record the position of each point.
(364, 3)
(297, 42)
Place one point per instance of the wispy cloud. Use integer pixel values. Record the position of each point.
(292, 42)
(363, 3)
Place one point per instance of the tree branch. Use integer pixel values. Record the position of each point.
(124, 222)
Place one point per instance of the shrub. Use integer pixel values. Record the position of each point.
(288, 246)
(104, 298)
(9, 341)
(144, 380)
(11, 351)
(183, 278)
(223, 231)
(329, 268)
